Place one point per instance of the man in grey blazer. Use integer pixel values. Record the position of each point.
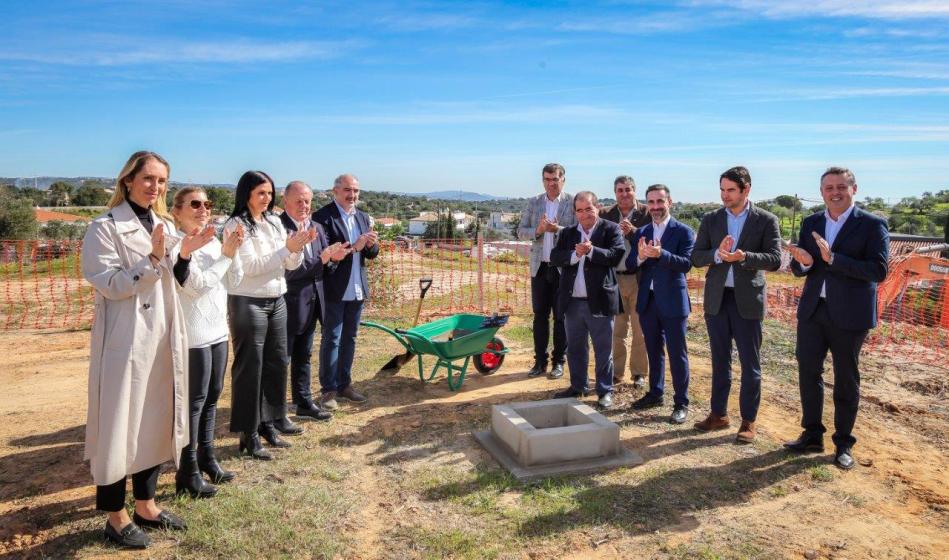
(545, 216)
(738, 242)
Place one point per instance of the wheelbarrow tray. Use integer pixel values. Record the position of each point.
(449, 339)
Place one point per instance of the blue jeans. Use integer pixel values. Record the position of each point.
(338, 344)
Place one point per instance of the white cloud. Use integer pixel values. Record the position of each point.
(118, 51)
(875, 9)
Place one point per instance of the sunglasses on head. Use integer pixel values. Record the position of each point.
(195, 204)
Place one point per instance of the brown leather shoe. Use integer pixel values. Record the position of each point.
(328, 401)
(747, 432)
(713, 422)
(350, 394)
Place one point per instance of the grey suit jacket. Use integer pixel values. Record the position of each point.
(530, 218)
(760, 239)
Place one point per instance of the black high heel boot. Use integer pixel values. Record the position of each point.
(269, 433)
(207, 463)
(250, 444)
(188, 478)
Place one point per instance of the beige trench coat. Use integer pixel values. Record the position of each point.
(138, 362)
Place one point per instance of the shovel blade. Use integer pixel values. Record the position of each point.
(396, 363)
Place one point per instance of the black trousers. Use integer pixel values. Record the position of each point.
(544, 286)
(111, 497)
(205, 382)
(815, 336)
(300, 350)
(259, 372)
(724, 327)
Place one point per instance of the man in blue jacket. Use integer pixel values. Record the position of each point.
(843, 252)
(663, 257)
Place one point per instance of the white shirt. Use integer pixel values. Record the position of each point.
(657, 230)
(579, 283)
(551, 208)
(831, 229)
(264, 257)
(204, 294)
(303, 226)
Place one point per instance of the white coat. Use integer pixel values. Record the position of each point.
(138, 360)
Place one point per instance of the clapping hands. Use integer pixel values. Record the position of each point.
(648, 250)
(725, 251)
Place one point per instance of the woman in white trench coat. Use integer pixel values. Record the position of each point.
(138, 394)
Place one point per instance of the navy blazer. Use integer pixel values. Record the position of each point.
(598, 269)
(304, 295)
(336, 280)
(666, 273)
(861, 258)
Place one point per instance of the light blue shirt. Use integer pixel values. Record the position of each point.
(735, 225)
(831, 229)
(354, 288)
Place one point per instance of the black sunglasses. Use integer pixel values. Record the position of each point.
(195, 204)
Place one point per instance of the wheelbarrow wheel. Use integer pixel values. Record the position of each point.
(488, 362)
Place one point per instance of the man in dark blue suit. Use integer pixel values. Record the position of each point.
(345, 289)
(304, 296)
(663, 257)
(738, 242)
(587, 253)
(844, 253)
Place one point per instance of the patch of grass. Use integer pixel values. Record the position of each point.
(519, 334)
(450, 543)
(820, 473)
(693, 551)
(777, 491)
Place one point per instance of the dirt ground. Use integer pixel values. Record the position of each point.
(414, 469)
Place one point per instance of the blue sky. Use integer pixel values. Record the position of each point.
(423, 96)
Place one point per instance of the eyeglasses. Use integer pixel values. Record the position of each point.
(195, 204)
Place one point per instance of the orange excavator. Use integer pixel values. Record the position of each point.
(912, 267)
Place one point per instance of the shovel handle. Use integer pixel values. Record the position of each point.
(424, 284)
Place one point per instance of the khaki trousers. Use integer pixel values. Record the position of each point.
(627, 326)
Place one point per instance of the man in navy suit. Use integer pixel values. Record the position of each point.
(304, 296)
(738, 242)
(345, 289)
(663, 257)
(843, 252)
(587, 253)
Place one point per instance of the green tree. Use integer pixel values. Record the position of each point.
(63, 230)
(17, 219)
(789, 202)
(60, 193)
(90, 195)
(222, 199)
(443, 228)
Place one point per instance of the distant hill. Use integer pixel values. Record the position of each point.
(464, 196)
(43, 183)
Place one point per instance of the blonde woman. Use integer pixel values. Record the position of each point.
(210, 270)
(138, 413)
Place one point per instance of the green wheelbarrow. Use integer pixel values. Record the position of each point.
(468, 337)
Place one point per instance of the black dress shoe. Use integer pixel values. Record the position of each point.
(165, 520)
(286, 427)
(646, 401)
(679, 414)
(843, 458)
(556, 372)
(537, 370)
(571, 393)
(313, 411)
(806, 443)
(250, 444)
(606, 401)
(129, 537)
(270, 435)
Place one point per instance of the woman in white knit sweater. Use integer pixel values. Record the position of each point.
(204, 276)
(258, 317)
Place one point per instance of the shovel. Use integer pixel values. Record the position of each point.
(396, 363)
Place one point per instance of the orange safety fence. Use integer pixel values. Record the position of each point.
(41, 287)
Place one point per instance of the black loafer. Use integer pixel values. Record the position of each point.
(844, 459)
(165, 520)
(646, 401)
(606, 401)
(806, 443)
(556, 372)
(129, 537)
(537, 370)
(314, 412)
(571, 393)
(286, 427)
(679, 414)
